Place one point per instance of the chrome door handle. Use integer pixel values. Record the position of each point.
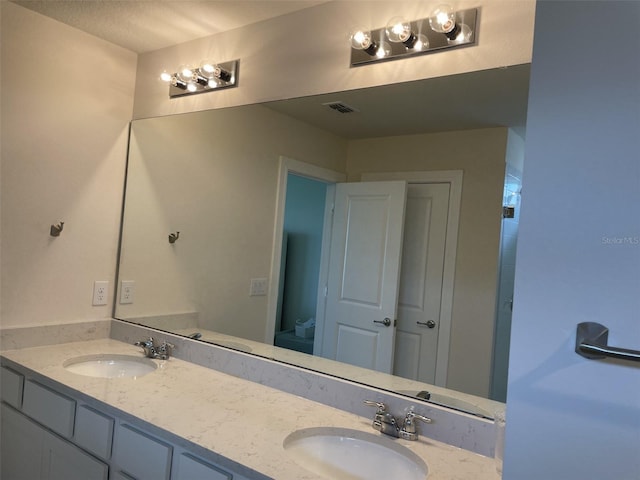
(592, 342)
(428, 323)
(386, 322)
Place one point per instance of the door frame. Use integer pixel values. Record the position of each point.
(454, 179)
(285, 167)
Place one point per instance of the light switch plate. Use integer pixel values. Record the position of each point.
(258, 287)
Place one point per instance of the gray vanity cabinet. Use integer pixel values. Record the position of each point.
(49, 435)
(32, 441)
(31, 452)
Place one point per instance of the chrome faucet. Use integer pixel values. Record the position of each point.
(386, 423)
(153, 350)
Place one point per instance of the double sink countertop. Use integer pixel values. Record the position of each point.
(240, 420)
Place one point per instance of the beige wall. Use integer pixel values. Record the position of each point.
(213, 177)
(307, 52)
(480, 154)
(67, 98)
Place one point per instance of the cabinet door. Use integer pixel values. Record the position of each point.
(21, 441)
(64, 461)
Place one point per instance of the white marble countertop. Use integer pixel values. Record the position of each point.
(240, 420)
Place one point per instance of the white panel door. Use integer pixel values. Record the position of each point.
(364, 264)
(420, 294)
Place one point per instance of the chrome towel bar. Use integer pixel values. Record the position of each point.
(591, 342)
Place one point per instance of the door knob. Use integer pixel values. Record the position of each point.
(428, 323)
(386, 322)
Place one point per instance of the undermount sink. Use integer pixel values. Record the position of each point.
(110, 366)
(340, 453)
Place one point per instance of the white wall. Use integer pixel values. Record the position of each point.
(67, 98)
(307, 52)
(579, 249)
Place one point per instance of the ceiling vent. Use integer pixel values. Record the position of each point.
(341, 107)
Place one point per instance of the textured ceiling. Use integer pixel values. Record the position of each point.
(147, 25)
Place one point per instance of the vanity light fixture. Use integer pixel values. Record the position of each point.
(206, 77)
(401, 38)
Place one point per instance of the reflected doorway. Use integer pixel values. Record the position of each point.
(300, 263)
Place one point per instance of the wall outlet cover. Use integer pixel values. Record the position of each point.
(100, 292)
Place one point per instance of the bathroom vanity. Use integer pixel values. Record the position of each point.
(180, 421)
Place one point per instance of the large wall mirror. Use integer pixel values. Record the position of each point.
(279, 229)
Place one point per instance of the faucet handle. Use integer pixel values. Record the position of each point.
(409, 431)
(411, 415)
(381, 406)
(145, 343)
(165, 350)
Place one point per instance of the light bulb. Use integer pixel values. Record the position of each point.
(384, 50)
(185, 73)
(361, 40)
(399, 31)
(421, 44)
(443, 19)
(463, 36)
(165, 76)
(192, 87)
(207, 67)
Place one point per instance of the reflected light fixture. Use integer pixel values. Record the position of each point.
(400, 38)
(206, 77)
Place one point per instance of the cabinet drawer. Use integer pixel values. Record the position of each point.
(189, 468)
(11, 384)
(51, 409)
(141, 456)
(94, 431)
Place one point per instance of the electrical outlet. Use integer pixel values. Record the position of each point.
(127, 290)
(100, 292)
(258, 287)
